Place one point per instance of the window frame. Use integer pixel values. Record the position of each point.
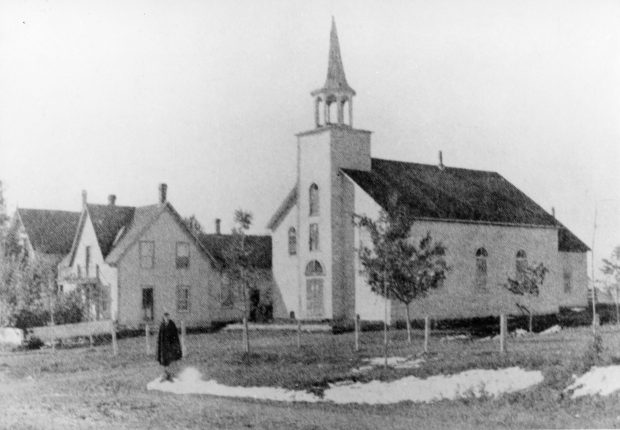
(182, 262)
(314, 206)
(292, 241)
(143, 256)
(313, 237)
(520, 265)
(180, 289)
(227, 294)
(143, 289)
(567, 278)
(481, 277)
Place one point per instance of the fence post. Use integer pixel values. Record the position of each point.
(114, 343)
(147, 343)
(51, 286)
(298, 334)
(183, 349)
(357, 332)
(503, 328)
(427, 332)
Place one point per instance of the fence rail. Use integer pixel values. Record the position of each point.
(91, 328)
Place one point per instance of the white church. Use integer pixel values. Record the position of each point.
(488, 226)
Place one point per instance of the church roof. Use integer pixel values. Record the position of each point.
(219, 244)
(49, 231)
(455, 194)
(336, 81)
(289, 201)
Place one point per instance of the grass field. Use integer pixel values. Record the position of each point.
(90, 388)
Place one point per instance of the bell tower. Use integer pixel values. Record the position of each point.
(331, 99)
(325, 196)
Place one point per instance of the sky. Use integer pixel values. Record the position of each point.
(115, 97)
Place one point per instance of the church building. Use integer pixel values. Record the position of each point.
(489, 228)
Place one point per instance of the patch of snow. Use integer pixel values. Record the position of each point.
(455, 337)
(599, 380)
(395, 362)
(475, 382)
(554, 329)
(189, 381)
(519, 332)
(11, 336)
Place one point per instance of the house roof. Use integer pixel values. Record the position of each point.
(108, 220)
(143, 218)
(289, 201)
(49, 231)
(219, 244)
(450, 193)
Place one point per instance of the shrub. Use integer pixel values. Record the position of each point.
(33, 342)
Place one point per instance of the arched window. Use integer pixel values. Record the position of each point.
(313, 238)
(314, 268)
(521, 264)
(292, 241)
(314, 199)
(481, 268)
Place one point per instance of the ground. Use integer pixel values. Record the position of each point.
(90, 388)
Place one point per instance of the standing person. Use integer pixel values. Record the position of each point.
(168, 346)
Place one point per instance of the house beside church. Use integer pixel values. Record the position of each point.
(42, 235)
(135, 263)
(488, 226)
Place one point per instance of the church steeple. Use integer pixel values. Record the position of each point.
(336, 89)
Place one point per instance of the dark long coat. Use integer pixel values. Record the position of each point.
(168, 345)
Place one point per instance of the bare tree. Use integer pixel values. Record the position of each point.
(527, 284)
(240, 267)
(395, 265)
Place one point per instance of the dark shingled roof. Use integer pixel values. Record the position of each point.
(108, 220)
(289, 201)
(456, 194)
(50, 231)
(218, 244)
(568, 242)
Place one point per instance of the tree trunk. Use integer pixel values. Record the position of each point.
(408, 324)
(246, 337)
(617, 308)
(531, 319)
(385, 332)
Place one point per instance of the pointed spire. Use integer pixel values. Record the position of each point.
(336, 80)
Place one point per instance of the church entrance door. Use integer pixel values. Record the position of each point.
(314, 298)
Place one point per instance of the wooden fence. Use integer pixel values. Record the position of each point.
(89, 329)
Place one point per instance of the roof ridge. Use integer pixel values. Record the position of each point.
(432, 165)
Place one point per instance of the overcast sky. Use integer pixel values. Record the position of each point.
(117, 96)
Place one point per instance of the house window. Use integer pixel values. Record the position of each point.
(314, 200)
(182, 260)
(183, 298)
(147, 303)
(568, 281)
(521, 265)
(87, 259)
(292, 241)
(313, 240)
(227, 297)
(481, 268)
(147, 254)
